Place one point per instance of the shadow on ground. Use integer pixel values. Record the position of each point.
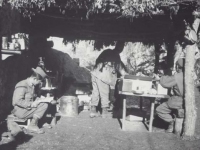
(84, 133)
(11, 143)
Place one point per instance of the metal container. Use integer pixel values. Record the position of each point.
(68, 106)
(4, 42)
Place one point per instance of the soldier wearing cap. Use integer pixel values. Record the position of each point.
(26, 103)
(176, 100)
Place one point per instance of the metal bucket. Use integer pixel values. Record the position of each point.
(68, 106)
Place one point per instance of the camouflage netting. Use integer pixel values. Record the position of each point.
(66, 65)
(69, 73)
(16, 68)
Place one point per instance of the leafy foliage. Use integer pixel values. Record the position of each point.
(29, 7)
(139, 58)
(137, 7)
(125, 8)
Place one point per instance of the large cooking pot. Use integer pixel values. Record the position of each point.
(68, 106)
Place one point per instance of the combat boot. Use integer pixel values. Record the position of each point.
(170, 127)
(105, 113)
(93, 112)
(33, 126)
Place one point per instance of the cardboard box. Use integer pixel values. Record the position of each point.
(134, 118)
(161, 90)
(84, 98)
(132, 83)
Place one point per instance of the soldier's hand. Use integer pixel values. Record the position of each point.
(35, 103)
(48, 99)
(156, 76)
(53, 102)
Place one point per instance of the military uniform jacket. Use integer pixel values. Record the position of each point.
(23, 94)
(105, 69)
(176, 83)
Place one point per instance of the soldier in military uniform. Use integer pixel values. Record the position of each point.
(26, 103)
(108, 66)
(176, 100)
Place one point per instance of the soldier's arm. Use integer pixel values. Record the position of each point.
(167, 81)
(122, 69)
(195, 25)
(19, 98)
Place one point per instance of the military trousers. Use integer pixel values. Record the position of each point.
(23, 113)
(100, 92)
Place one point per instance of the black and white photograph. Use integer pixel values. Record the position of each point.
(99, 74)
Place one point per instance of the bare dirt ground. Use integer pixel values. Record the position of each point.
(84, 133)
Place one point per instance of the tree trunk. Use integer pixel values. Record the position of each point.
(190, 107)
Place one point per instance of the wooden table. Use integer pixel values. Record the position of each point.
(155, 96)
